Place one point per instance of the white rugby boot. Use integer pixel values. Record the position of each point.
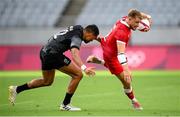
(69, 108)
(12, 94)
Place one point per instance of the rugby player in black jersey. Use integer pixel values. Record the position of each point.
(52, 58)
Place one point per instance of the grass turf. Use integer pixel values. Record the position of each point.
(158, 92)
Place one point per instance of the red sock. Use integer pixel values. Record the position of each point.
(130, 95)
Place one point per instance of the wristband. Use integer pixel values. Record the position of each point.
(122, 58)
(83, 67)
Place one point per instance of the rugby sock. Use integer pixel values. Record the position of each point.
(67, 98)
(22, 88)
(129, 93)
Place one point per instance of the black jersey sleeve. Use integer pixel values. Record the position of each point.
(75, 42)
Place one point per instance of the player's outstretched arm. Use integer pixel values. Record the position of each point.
(147, 16)
(76, 58)
(94, 59)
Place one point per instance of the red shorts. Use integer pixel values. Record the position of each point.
(113, 65)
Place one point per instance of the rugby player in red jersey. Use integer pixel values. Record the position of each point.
(114, 46)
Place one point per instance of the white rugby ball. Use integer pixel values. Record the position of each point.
(143, 25)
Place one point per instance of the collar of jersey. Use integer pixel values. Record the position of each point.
(125, 23)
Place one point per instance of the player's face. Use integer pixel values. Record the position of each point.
(134, 22)
(88, 37)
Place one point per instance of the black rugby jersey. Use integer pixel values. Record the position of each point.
(64, 40)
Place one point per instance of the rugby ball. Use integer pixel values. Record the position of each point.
(144, 25)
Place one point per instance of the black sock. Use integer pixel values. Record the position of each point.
(22, 88)
(67, 99)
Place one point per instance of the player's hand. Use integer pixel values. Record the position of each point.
(94, 59)
(150, 24)
(90, 59)
(146, 30)
(127, 76)
(90, 71)
(150, 21)
(99, 38)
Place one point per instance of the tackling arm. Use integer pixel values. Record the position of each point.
(144, 15)
(76, 57)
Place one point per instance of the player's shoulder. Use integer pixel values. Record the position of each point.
(77, 30)
(120, 27)
(121, 30)
(77, 27)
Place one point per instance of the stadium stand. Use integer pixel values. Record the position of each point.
(30, 13)
(107, 12)
(26, 25)
(46, 13)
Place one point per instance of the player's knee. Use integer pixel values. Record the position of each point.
(127, 84)
(79, 75)
(47, 83)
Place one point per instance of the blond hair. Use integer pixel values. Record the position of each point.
(134, 13)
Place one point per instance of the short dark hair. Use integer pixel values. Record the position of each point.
(134, 13)
(92, 29)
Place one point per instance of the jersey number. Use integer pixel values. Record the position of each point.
(63, 32)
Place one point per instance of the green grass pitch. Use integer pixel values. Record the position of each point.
(102, 95)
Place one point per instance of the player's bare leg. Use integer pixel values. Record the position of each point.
(46, 80)
(125, 81)
(76, 76)
(129, 91)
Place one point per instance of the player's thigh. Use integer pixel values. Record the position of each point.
(72, 70)
(48, 75)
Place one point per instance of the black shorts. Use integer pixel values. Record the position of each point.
(51, 61)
